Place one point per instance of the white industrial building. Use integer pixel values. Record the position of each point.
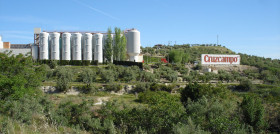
(80, 45)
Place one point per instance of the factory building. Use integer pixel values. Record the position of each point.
(15, 49)
(66, 45)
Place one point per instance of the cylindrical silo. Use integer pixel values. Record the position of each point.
(98, 47)
(34, 51)
(66, 52)
(133, 44)
(54, 45)
(1, 43)
(87, 48)
(44, 46)
(76, 38)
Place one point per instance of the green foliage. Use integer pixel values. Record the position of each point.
(117, 45)
(168, 73)
(74, 114)
(64, 77)
(141, 87)
(188, 128)
(108, 47)
(164, 110)
(89, 89)
(245, 85)
(196, 91)
(53, 64)
(25, 108)
(210, 113)
(18, 76)
(123, 48)
(253, 112)
(147, 77)
(113, 87)
(108, 75)
(87, 76)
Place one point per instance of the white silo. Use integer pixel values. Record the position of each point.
(87, 48)
(54, 45)
(1, 43)
(44, 45)
(98, 52)
(133, 44)
(76, 38)
(34, 51)
(66, 52)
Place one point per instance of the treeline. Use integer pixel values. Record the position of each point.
(269, 70)
(186, 53)
(115, 46)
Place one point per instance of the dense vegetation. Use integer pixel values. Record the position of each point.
(165, 98)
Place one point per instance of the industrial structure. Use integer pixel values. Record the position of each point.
(66, 45)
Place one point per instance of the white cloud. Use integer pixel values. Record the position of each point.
(96, 10)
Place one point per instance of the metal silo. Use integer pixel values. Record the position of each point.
(76, 38)
(133, 44)
(1, 43)
(54, 45)
(44, 46)
(98, 52)
(87, 48)
(66, 52)
(34, 51)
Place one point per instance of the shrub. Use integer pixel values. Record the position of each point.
(23, 109)
(245, 85)
(253, 112)
(189, 128)
(196, 91)
(87, 76)
(113, 87)
(141, 87)
(108, 75)
(64, 77)
(89, 89)
(53, 64)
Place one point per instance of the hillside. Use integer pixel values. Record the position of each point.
(174, 97)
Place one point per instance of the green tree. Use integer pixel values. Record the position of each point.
(117, 45)
(108, 50)
(175, 56)
(88, 76)
(64, 77)
(18, 76)
(123, 48)
(253, 111)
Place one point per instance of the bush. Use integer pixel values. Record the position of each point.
(64, 77)
(87, 76)
(25, 108)
(141, 87)
(196, 91)
(89, 89)
(245, 85)
(189, 128)
(108, 76)
(53, 64)
(113, 87)
(253, 112)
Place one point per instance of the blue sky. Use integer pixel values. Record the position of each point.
(246, 26)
